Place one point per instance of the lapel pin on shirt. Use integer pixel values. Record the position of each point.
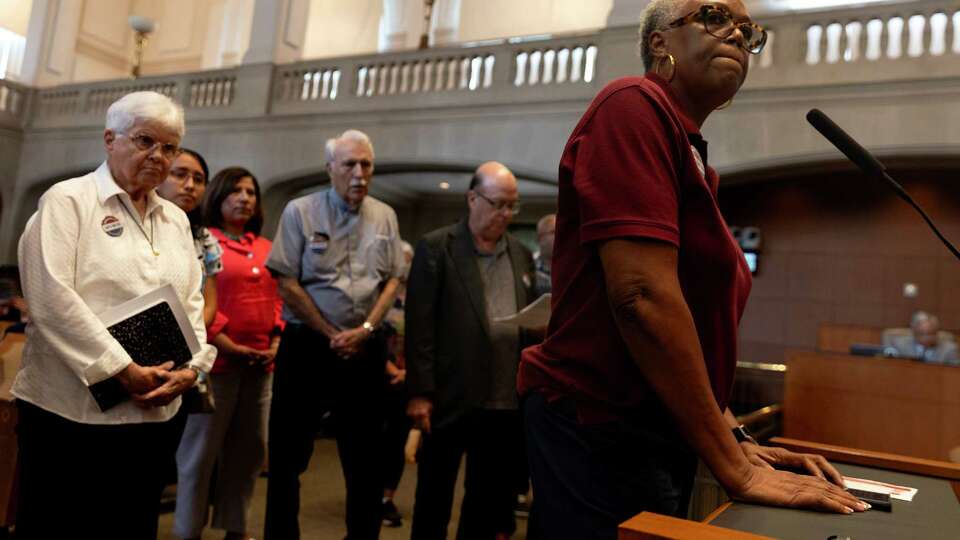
(699, 160)
(112, 226)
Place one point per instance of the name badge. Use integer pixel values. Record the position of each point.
(699, 160)
(112, 226)
(319, 242)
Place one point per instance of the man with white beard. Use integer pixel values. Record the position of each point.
(338, 260)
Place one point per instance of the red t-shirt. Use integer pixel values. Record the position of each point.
(634, 167)
(248, 304)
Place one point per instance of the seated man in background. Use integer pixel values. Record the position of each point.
(924, 342)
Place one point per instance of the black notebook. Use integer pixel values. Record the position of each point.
(153, 329)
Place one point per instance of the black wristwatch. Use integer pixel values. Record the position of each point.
(742, 435)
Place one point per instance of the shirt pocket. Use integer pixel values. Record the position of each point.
(321, 258)
(381, 256)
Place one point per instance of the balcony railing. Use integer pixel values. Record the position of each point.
(13, 104)
(917, 40)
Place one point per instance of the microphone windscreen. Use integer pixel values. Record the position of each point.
(845, 143)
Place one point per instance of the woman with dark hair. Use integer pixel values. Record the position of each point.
(246, 331)
(184, 187)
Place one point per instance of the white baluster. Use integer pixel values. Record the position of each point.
(335, 84)
(851, 52)
(938, 33)
(563, 60)
(895, 37)
(834, 33)
(591, 64)
(520, 62)
(535, 58)
(576, 67)
(488, 64)
(549, 60)
(874, 39)
(916, 25)
(814, 33)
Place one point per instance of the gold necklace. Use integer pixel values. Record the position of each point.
(142, 231)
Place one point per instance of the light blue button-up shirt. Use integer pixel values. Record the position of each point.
(340, 257)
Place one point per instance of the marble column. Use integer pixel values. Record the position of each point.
(445, 26)
(49, 55)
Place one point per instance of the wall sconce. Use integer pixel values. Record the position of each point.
(142, 26)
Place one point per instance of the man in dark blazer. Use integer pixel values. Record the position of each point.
(462, 364)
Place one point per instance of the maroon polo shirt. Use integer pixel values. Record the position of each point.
(634, 167)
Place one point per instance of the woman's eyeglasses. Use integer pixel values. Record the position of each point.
(719, 23)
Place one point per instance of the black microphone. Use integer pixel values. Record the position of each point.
(852, 149)
(868, 164)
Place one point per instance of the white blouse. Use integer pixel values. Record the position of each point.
(82, 253)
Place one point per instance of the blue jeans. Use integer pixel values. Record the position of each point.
(589, 478)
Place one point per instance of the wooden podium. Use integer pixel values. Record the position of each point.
(889, 405)
(934, 513)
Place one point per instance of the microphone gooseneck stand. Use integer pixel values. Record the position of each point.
(869, 165)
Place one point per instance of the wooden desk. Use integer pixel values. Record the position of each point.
(934, 513)
(838, 337)
(887, 405)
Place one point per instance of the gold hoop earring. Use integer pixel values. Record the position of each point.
(673, 67)
(725, 105)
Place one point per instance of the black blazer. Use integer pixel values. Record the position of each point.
(448, 348)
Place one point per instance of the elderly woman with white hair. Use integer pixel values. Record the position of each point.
(633, 380)
(97, 241)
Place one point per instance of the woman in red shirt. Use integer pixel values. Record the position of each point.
(632, 382)
(246, 332)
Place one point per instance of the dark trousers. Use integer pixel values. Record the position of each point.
(309, 380)
(396, 428)
(491, 441)
(89, 481)
(587, 479)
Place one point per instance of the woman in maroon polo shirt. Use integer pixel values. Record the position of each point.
(632, 381)
(246, 332)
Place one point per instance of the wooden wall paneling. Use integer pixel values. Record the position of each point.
(888, 405)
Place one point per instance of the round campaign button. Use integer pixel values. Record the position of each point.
(112, 226)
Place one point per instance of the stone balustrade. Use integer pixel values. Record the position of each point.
(911, 41)
(13, 104)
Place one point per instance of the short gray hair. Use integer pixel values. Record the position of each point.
(656, 16)
(921, 317)
(356, 135)
(152, 106)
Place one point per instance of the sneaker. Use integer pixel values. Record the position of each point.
(391, 516)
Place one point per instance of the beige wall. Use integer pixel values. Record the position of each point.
(338, 28)
(487, 19)
(15, 14)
